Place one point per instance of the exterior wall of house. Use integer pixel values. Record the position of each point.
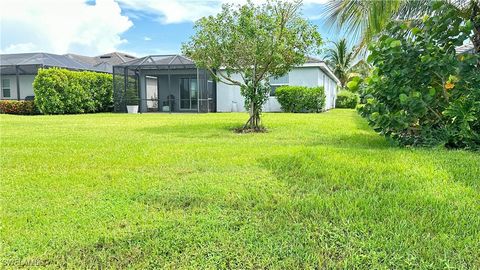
(26, 87)
(229, 98)
(330, 90)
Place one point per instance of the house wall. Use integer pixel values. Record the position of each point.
(330, 90)
(229, 98)
(26, 87)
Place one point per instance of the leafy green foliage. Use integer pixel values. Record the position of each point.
(255, 41)
(346, 99)
(131, 96)
(301, 99)
(340, 58)
(59, 91)
(24, 107)
(366, 19)
(421, 92)
(354, 84)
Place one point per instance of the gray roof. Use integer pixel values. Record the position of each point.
(158, 61)
(311, 60)
(104, 62)
(82, 58)
(114, 58)
(177, 60)
(45, 59)
(100, 63)
(27, 60)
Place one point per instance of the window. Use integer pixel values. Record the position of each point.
(6, 88)
(188, 94)
(276, 82)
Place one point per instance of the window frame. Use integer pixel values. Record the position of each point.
(5, 88)
(274, 86)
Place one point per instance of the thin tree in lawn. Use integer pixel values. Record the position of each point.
(254, 42)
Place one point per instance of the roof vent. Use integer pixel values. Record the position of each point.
(105, 56)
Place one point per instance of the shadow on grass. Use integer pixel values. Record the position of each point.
(191, 130)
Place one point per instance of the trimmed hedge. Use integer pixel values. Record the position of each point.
(24, 107)
(301, 99)
(61, 91)
(347, 99)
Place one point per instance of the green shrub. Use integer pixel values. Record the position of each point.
(131, 96)
(300, 98)
(346, 99)
(420, 91)
(24, 107)
(59, 91)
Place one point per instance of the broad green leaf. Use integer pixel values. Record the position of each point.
(352, 85)
(395, 43)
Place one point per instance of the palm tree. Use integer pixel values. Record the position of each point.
(365, 18)
(340, 58)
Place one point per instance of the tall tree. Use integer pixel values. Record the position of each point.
(366, 18)
(340, 58)
(254, 42)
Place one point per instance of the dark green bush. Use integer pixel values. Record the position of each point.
(59, 91)
(300, 98)
(24, 107)
(346, 99)
(420, 91)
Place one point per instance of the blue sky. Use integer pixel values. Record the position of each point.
(149, 35)
(93, 27)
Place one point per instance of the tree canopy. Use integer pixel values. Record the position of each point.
(366, 18)
(255, 42)
(340, 58)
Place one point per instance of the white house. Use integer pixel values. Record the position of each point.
(311, 74)
(173, 83)
(164, 83)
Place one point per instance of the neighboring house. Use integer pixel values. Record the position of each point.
(465, 49)
(313, 73)
(104, 62)
(174, 83)
(17, 71)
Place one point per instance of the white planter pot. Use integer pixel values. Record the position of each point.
(132, 108)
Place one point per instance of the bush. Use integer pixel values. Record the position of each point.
(346, 99)
(420, 91)
(18, 107)
(300, 98)
(59, 91)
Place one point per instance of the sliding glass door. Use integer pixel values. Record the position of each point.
(188, 94)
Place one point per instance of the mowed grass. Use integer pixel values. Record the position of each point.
(184, 191)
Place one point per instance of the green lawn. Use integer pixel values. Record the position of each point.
(184, 191)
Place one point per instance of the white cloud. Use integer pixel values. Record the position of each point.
(177, 11)
(147, 38)
(19, 48)
(62, 26)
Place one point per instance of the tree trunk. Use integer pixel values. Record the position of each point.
(253, 122)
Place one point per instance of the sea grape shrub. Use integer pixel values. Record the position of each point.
(421, 92)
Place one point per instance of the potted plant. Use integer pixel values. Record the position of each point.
(132, 100)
